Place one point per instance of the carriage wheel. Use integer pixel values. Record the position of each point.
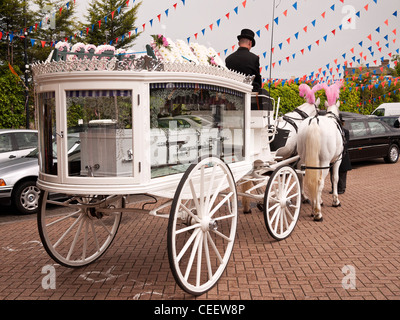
(77, 230)
(282, 202)
(202, 225)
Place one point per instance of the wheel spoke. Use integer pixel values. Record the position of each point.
(187, 244)
(226, 198)
(192, 255)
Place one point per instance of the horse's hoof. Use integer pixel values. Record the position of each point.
(337, 205)
(318, 219)
(307, 201)
(247, 212)
(260, 206)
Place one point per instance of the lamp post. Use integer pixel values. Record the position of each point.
(26, 72)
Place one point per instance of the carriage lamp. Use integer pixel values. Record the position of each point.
(2, 183)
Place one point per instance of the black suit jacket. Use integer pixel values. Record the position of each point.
(246, 62)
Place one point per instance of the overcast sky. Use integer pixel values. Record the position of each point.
(308, 34)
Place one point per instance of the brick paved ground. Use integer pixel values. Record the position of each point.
(363, 233)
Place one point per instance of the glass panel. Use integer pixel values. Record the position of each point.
(189, 121)
(358, 129)
(376, 128)
(5, 143)
(47, 122)
(26, 140)
(99, 133)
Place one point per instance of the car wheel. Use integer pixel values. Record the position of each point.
(26, 197)
(393, 154)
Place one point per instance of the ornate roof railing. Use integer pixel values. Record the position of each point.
(75, 61)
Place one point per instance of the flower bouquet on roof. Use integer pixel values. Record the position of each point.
(162, 48)
(201, 52)
(186, 52)
(215, 59)
(62, 49)
(106, 51)
(77, 48)
(90, 50)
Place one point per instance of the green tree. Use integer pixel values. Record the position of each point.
(12, 99)
(14, 19)
(62, 29)
(109, 20)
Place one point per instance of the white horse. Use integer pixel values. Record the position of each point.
(293, 119)
(320, 146)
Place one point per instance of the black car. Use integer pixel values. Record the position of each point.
(392, 121)
(371, 138)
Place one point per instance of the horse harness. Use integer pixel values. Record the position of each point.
(340, 128)
(302, 114)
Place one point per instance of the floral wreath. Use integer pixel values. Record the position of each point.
(160, 41)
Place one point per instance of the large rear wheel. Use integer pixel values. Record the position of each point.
(202, 225)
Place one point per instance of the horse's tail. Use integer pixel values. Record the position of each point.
(313, 144)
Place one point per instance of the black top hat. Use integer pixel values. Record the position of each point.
(248, 34)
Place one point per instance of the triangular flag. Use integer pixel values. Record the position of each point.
(244, 4)
(227, 15)
(295, 5)
(112, 14)
(159, 17)
(323, 14)
(43, 43)
(366, 7)
(285, 13)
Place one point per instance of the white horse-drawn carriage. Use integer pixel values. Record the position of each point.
(110, 130)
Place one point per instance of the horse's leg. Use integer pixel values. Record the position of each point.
(318, 202)
(245, 200)
(335, 180)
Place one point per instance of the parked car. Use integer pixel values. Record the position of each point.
(371, 138)
(392, 121)
(18, 178)
(16, 143)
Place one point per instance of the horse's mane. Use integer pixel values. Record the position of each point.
(332, 92)
(308, 93)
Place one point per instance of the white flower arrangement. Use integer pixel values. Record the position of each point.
(201, 53)
(62, 46)
(216, 58)
(186, 51)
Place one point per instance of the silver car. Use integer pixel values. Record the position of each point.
(17, 143)
(18, 178)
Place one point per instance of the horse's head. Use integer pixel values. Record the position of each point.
(311, 105)
(332, 95)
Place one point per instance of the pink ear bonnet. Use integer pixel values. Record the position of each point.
(309, 94)
(332, 92)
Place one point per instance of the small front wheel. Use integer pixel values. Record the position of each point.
(282, 202)
(77, 230)
(202, 225)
